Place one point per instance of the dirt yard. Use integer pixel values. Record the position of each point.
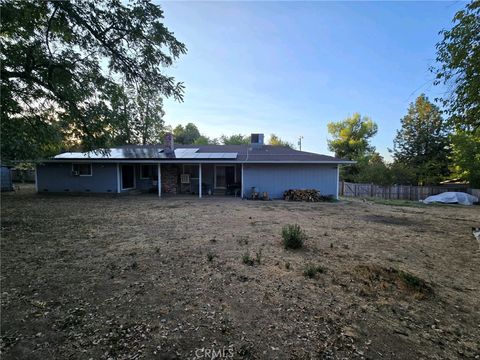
(137, 277)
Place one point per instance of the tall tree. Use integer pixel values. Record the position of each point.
(458, 55)
(122, 114)
(351, 137)
(351, 141)
(276, 141)
(402, 174)
(149, 117)
(236, 139)
(60, 63)
(422, 142)
(186, 135)
(374, 170)
(205, 140)
(466, 156)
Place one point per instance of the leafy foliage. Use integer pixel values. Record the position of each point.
(186, 135)
(235, 139)
(422, 142)
(138, 116)
(402, 174)
(458, 55)
(466, 156)
(351, 137)
(311, 270)
(351, 141)
(64, 63)
(276, 141)
(205, 140)
(374, 170)
(293, 236)
(250, 261)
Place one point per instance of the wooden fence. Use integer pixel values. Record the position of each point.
(399, 192)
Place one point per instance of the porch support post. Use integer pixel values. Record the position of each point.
(200, 180)
(338, 179)
(159, 180)
(241, 185)
(36, 178)
(118, 178)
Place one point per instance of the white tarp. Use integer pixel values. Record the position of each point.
(452, 198)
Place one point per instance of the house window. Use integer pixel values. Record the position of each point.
(148, 172)
(145, 171)
(82, 169)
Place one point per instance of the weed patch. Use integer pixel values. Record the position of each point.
(250, 261)
(312, 270)
(293, 236)
(379, 280)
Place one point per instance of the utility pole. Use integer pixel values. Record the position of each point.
(300, 142)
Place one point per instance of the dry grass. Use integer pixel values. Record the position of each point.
(138, 277)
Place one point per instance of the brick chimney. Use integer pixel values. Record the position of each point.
(168, 145)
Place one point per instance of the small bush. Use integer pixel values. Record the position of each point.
(410, 279)
(248, 260)
(210, 257)
(287, 265)
(293, 236)
(243, 240)
(258, 257)
(312, 270)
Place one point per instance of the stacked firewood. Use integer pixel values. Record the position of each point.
(310, 195)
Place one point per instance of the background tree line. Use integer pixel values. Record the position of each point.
(426, 150)
(433, 143)
(83, 75)
(189, 134)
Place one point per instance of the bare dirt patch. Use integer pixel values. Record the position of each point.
(137, 277)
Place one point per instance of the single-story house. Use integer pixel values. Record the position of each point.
(191, 169)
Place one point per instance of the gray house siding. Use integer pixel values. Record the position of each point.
(6, 179)
(53, 177)
(207, 176)
(275, 179)
(272, 178)
(145, 184)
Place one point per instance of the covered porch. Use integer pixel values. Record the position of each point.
(169, 179)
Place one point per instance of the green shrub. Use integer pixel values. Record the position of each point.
(311, 270)
(243, 240)
(293, 236)
(210, 257)
(248, 260)
(410, 279)
(258, 257)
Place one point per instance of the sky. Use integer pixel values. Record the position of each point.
(290, 68)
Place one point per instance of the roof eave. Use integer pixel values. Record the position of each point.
(194, 161)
